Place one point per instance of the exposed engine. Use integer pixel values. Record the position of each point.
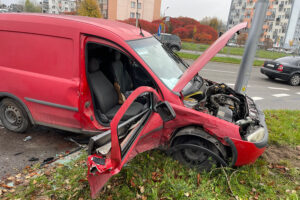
(223, 102)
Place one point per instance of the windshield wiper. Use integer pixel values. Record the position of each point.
(174, 55)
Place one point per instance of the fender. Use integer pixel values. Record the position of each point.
(190, 131)
(5, 94)
(296, 72)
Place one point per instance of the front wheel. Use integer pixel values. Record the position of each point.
(13, 116)
(198, 159)
(295, 80)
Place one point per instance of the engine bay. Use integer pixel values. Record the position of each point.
(223, 102)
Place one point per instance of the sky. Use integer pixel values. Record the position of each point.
(197, 9)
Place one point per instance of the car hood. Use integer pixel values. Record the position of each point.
(206, 56)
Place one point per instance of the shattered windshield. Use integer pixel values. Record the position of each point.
(162, 63)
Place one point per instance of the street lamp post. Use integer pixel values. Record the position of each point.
(164, 17)
(137, 12)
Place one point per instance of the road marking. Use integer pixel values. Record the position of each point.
(275, 88)
(280, 95)
(218, 71)
(230, 84)
(298, 93)
(257, 98)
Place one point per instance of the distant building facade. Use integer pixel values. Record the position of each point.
(58, 6)
(296, 37)
(144, 9)
(276, 24)
(110, 9)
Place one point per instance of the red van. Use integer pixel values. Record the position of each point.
(120, 83)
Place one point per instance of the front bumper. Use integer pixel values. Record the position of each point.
(245, 152)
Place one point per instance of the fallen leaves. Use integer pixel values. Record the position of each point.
(198, 179)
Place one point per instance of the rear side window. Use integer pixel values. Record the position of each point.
(37, 53)
(289, 60)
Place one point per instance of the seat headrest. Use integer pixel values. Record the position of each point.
(94, 65)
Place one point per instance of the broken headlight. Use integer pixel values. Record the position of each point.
(257, 135)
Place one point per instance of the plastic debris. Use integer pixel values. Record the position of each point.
(27, 138)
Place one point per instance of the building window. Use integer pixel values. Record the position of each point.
(132, 4)
(53, 7)
(138, 15)
(132, 15)
(139, 5)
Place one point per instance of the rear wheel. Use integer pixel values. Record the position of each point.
(196, 158)
(174, 48)
(295, 80)
(13, 116)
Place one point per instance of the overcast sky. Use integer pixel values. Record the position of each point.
(197, 9)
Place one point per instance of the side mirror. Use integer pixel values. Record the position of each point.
(165, 110)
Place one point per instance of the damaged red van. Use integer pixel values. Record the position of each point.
(120, 83)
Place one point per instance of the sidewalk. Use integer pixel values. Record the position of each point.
(221, 55)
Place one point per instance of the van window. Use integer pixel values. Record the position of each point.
(37, 53)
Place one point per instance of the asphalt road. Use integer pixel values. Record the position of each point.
(268, 94)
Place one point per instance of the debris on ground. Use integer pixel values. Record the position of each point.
(33, 159)
(27, 138)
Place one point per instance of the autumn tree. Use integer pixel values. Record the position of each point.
(89, 8)
(30, 7)
(242, 38)
(268, 43)
(214, 22)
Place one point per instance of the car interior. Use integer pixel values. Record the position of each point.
(112, 77)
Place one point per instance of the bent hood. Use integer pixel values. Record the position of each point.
(206, 56)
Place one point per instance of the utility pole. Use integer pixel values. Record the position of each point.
(137, 12)
(261, 7)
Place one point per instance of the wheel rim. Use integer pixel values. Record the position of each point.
(295, 80)
(13, 116)
(194, 157)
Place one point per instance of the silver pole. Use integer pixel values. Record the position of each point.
(137, 11)
(261, 7)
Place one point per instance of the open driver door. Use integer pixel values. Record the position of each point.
(109, 151)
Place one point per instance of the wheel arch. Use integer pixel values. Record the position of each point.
(4, 95)
(198, 132)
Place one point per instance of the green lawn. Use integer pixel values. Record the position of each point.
(155, 175)
(233, 50)
(218, 59)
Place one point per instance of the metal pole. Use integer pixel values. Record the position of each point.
(137, 11)
(251, 45)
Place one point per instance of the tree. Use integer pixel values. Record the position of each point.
(268, 43)
(241, 39)
(89, 8)
(30, 7)
(214, 22)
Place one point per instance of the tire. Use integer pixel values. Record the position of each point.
(13, 116)
(199, 160)
(174, 48)
(271, 77)
(295, 80)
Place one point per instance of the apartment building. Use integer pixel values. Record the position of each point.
(58, 6)
(296, 37)
(277, 21)
(144, 9)
(110, 9)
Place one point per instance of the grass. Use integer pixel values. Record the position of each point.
(233, 50)
(284, 126)
(155, 175)
(218, 59)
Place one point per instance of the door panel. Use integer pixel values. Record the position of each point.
(124, 137)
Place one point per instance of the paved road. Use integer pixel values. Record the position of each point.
(268, 94)
(219, 54)
(15, 153)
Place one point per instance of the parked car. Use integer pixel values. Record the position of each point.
(171, 41)
(285, 68)
(117, 82)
